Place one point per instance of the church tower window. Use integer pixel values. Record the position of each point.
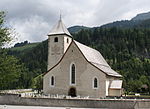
(56, 39)
(95, 83)
(73, 74)
(52, 81)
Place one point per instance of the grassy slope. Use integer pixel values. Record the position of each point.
(28, 46)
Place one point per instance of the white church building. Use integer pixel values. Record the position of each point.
(75, 69)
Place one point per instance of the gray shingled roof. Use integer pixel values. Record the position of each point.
(59, 28)
(95, 58)
(116, 84)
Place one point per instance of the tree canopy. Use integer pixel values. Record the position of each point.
(13, 73)
(4, 31)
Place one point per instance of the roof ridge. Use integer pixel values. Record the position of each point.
(100, 64)
(86, 46)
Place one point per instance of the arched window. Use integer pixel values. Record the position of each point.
(56, 39)
(95, 83)
(52, 81)
(67, 40)
(73, 74)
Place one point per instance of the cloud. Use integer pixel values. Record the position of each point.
(34, 19)
(109, 11)
(31, 29)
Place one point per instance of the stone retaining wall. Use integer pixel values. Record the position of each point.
(82, 103)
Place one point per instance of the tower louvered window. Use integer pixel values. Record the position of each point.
(56, 39)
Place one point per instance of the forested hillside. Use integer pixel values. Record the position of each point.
(34, 56)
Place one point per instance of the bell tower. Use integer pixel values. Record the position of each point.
(59, 39)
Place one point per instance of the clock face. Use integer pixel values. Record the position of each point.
(55, 50)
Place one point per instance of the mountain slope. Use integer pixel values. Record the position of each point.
(121, 24)
(141, 20)
(142, 16)
(75, 29)
(33, 55)
(144, 24)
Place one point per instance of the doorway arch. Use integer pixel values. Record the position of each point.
(72, 92)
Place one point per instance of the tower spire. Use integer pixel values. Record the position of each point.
(59, 28)
(60, 15)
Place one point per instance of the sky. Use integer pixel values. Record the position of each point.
(32, 20)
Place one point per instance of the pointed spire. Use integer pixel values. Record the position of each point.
(59, 29)
(60, 15)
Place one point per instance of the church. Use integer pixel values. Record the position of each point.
(75, 69)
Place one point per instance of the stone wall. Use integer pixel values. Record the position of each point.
(82, 103)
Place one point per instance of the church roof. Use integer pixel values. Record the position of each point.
(59, 28)
(96, 59)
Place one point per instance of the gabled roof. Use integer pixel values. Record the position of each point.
(96, 59)
(59, 29)
(116, 84)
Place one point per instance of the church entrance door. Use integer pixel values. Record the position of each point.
(72, 92)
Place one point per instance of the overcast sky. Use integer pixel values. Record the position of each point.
(33, 19)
